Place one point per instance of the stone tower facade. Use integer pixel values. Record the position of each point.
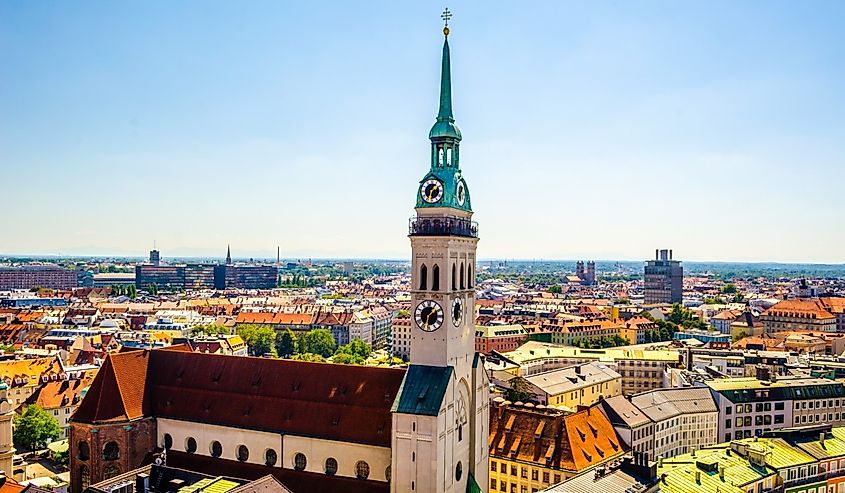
(440, 431)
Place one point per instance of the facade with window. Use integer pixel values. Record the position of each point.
(749, 407)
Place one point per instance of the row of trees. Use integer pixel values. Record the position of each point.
(124, 290)
(314, 345)
(601, 342)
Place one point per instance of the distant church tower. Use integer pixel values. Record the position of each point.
(440, 420)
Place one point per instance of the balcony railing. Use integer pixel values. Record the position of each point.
(442, 226)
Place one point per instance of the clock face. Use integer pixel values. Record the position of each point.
(457, 311)
(431, 191)
(429, 315)
(461, 193)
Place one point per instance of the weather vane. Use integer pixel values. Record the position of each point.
(446, 15)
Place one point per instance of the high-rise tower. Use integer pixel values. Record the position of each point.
(440, 420)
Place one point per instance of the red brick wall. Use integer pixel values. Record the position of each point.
(134, 440)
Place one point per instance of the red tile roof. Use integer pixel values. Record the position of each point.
(338, 402)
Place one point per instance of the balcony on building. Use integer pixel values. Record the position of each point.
(442, 226)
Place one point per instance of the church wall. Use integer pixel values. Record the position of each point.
(346, 454)
(230, 439)
(416, 447)
(134, 439)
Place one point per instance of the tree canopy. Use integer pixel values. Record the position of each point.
(259, 339)
(35, 427)
(318, 341)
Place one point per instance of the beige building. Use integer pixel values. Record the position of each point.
(400, 337)
(684, 419)
(578, 385)
(808, 315)
(641, 369)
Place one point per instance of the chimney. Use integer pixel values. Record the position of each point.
(142, 483)
(821, 439)
(722, 472)
(697, 476)
(577, 369)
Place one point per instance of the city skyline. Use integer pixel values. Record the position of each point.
(194, 132)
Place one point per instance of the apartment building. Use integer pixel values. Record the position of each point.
(663, 279)
(640, 369)
(807, 315)
(499, 338)
(400, 337)
(577, 385)
(30, 276)
(750, 406)
(684, 419)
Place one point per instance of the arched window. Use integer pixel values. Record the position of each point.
(449, 156)
(82, 451)
(243, 453)
(331, 466)
(454, 277)
(190, 445)
(216, 449)
(270, 457)
(84, 477)
(440, 155)
(462, 275)
(459, 471)
(435, 278)
(470, 279)
(299, 461)
(110, 471)
(362, 470)
(423, 277)
(168, 441)
(111, 451)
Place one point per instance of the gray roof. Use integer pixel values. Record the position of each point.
(563, 380)
(663, 404)
(620, 411)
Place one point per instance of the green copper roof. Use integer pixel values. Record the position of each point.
(472, 485)
(422, 390)
(445, 139)
(445, 124)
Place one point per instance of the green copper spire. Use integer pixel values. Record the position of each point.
(445, 113)
(444, 185)
(445, 124)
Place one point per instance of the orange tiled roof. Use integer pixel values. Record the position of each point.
(553, 439)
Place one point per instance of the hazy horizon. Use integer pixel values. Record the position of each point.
(591, 130)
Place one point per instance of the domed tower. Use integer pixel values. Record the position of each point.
(440, 419)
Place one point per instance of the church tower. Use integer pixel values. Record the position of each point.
(440, 419)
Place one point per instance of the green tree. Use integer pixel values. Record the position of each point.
(286, 343)
(153, 289)
(315, 358)
(259, 339)
(520, 390)
(729, 288)
(318, 341)
(357, 348)
(34, 427)
(348, 359)
(62, 459)
(556, 289)
(131, 291)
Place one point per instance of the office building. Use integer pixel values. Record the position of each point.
(41, 276)
(663, 279)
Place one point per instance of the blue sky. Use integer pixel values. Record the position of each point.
(591, 129)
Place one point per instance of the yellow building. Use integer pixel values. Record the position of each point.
(578, 385)
(23, 377)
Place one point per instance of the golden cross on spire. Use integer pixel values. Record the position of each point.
(446, 15)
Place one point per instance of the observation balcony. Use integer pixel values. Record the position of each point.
(442, 226)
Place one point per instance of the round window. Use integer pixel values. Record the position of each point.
(243, 453)
(270, 457)
(331, 466)
(216, 449)
(190, 445)
(459, 471)
(299, 462)
(362, 470)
